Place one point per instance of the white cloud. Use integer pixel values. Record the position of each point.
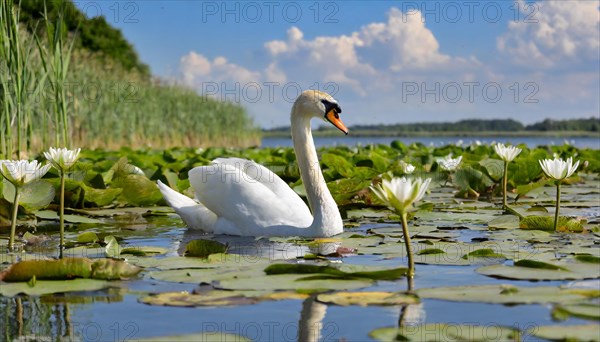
(372, 65)
(363, 58)
(197, 69)
(553, 32)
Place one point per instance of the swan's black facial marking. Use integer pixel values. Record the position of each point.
(331, 105)
(332, 115)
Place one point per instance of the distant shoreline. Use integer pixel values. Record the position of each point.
(376, 133)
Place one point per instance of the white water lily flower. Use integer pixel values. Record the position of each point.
(448, 163)
(407, 168)
(401, 193)
(507, 153)
(559, 169)
(62, 158)
(20, 172)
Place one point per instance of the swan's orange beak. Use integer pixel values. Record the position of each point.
(333, 117)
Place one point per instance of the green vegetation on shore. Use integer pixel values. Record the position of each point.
(467, 128)
(57, 91)
(94, 34)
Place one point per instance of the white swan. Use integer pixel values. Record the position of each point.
(240, 197)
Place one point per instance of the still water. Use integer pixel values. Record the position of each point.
(579, 142)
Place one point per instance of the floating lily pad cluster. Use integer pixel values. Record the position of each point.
(474, 233)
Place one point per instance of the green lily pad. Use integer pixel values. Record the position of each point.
(582, 332)
(588, 258)
(483, 253)
(206, 275)
(367, 298)
(112, 248)
(33, 196)
(332, 272)
(504, 222)
(571, 271)
(143, 250)
(53, 215)
(291, 282)
(585, 311)
(87, 237)
(69, 268)
(430, 251)
(508, 294)
(43, 287)
(204, 248)
(214, 260)
(547, 223)
(446, 332)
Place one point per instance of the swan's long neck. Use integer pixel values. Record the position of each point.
(325, 211)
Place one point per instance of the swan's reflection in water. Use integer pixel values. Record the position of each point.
(58, 317)
(260, 247)
(312, 314)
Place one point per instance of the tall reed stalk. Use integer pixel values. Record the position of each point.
(21, 83)
(55, 60)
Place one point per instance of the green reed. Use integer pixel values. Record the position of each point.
(53, 94)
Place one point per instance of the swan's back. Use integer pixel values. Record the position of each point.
(247, 196)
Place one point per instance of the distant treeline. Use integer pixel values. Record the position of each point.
(496, 125)
(476, 125)
(93, 34)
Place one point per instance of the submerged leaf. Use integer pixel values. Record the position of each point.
(588, 258)
(203, 248)
(389, 274)
(538, 264)
(483, 253)
(547, 223)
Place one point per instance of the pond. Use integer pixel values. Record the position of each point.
(531, 141)
(468, 282)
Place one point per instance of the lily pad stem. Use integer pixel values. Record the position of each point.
(62, 214)
(504, 184)
(557, 205)
(411, 262)
(13, 225)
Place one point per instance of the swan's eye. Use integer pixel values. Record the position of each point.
(329, 106)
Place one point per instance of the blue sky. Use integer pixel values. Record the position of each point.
(385, 61)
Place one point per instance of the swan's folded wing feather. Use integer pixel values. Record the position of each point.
(248, 198)
(195, 215)
(256, 172)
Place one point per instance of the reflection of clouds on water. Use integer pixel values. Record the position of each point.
(411, 315)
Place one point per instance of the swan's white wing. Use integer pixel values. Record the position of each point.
(194, 215)
(256, 172)
(248, 195)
